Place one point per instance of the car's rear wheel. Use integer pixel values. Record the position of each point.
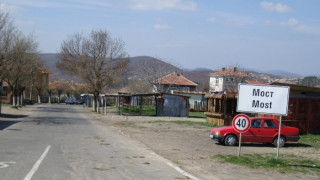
(230, 140)
(281, 143)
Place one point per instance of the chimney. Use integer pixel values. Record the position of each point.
(234, 69)
(223, 69)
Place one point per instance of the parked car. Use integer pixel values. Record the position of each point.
(70, 100)
(262, 130)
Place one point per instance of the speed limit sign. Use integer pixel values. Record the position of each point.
(241, 123)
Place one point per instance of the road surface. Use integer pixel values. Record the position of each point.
(66, 142)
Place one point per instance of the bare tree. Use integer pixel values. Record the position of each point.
(97, 59)
(7, 31)
(153, 71)
(21, 59)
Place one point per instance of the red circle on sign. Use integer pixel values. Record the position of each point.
(241, 123)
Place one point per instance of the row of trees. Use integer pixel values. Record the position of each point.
(20, 64)
(310, 81)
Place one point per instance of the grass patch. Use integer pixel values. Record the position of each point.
(285, 164)
(312, 140)
(17, 107)
(135, 110)
(190, 123)
(193, 114)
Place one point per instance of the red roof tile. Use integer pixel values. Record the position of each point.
(255, 82)
(176, 79)
(228, 72)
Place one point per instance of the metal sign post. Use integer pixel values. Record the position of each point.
(239, 145)
(241, 123)
(279, 135)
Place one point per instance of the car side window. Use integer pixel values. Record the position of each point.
(256, 124)
(269, 124)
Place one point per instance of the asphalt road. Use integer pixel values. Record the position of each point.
(67, 142)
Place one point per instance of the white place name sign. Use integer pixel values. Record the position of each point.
(263, 99)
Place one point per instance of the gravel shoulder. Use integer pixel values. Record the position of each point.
(189, 147)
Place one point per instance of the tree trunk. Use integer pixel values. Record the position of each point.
(59, 98)
(30, 96)
(19, 99)
(13, 100)
(98, 104)
(93, 101)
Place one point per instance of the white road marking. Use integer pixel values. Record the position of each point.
(6, 164)
(37, 164)
(181, 171)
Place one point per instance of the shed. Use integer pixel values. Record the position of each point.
(172, 105)
(196, 99)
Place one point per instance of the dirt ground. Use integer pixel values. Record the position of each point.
(190, 148)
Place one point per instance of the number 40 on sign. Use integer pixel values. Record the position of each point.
(241, 123)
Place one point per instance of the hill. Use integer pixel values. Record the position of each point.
(199, 75)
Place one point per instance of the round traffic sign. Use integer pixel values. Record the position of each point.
(241, 123)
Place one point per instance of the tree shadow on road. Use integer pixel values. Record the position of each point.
(13, 116)
(6, 124)
(8, 120)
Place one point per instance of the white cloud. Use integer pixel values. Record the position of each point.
(289, 23)
(28, 23)
(231, 19)
(81, 4)
(162, 4)
(294, 24)
(280, 8)
(9, 8)
(212, 20)
(161, 26)
(171, 45)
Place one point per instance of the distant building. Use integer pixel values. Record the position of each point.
(226, 80)
(172, 82)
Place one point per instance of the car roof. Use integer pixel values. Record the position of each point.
(262, 118)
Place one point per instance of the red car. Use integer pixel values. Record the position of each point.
(262, 130)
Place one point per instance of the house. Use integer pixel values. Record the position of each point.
(174, 81)
(5, 92)
(226, 80)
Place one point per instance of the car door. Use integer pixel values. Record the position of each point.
(254, 133)
(269, 130)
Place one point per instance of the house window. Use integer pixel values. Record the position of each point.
(4, 92)
(217, 81)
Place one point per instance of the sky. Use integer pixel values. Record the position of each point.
(251, 34)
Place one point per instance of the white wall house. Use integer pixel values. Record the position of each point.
(226, 80)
